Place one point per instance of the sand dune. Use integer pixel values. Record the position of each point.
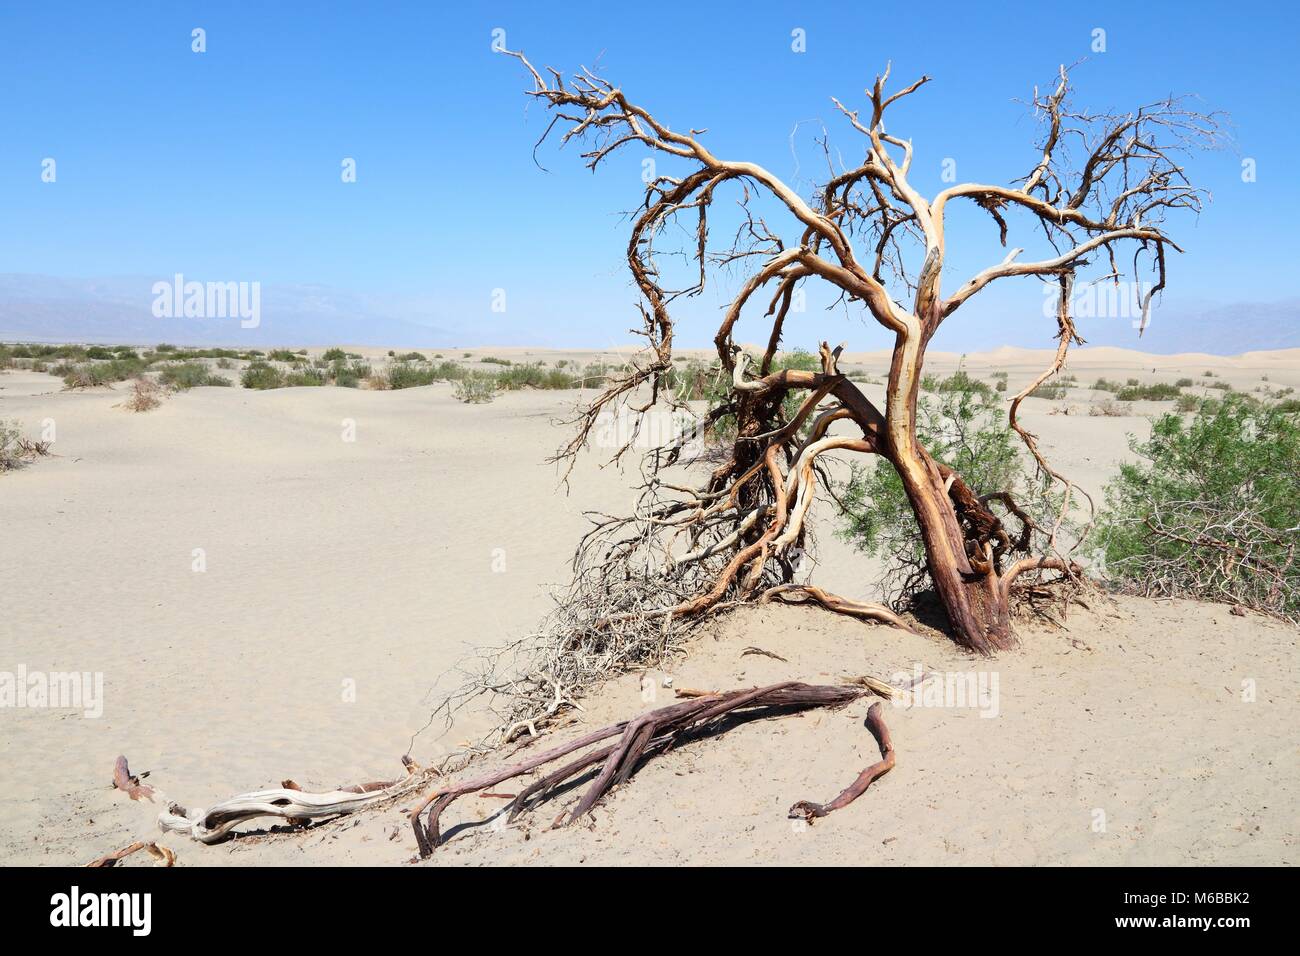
(342, 578)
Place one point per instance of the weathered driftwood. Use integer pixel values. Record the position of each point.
(804, 810)
(162, 854)
(288, 802)
(652, 733)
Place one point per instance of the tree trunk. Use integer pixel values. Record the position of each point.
(975, 603)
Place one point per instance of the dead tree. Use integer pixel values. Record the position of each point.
(1099, 188)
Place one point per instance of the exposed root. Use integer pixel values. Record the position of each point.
(638, 740)
(288, 803)
(804, 810)
(162, 854)
(802, 593)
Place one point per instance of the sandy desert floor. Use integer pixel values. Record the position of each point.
(343, 578)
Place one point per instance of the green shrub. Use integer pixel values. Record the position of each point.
(533, 376)
(190, 375)
(91, 374)
(964, 433)
(350, 375)
(1210, 511)
(412, 357)
(961, 381)
(1184, 383)
(334, 355)
(404, 375)
(1156, 392)
(476, 388)
(299, 377)
(260, 375)
(492, 360)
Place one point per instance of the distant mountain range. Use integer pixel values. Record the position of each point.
(120, 310)
(1218, 330)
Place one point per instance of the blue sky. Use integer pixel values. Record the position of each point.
(226, 165)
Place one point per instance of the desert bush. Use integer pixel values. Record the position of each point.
(334, 355)
(284, 355)
(964, 433)
(348, 375)
(16, 449)
(534, 376)
(961, 381)
(492, 360)
(145, 394)
(1109, 408)
(91, 374)
(476, 388)
(1051, 391)
(1221, 386)
(187, 375)
(1211, 510)
(405, 375)
(1106, 385)
(1155, 392)
(412, 357)
(299, 377)
(1184, 383)
(1187, 403)
(260, 375)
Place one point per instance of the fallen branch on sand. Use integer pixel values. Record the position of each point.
(164, 856)
(804, 810)
(289, 803)
(128, 783)
(649, 735)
